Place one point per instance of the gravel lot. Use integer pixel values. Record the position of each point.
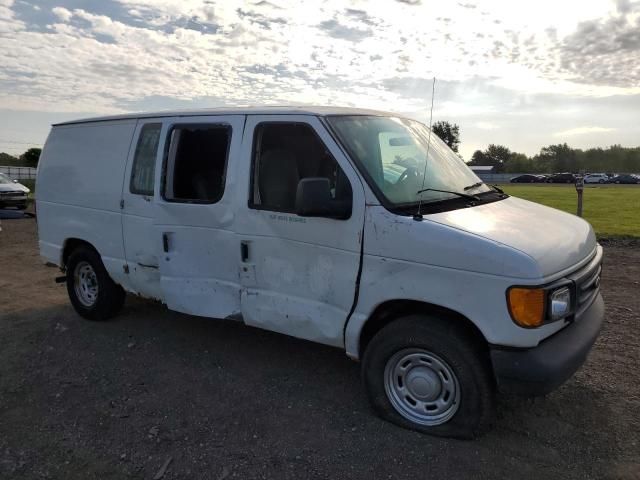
(221, 400)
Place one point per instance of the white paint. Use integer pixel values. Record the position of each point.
(300, 275)
(305, 270)
(141, 253)
(199, 273)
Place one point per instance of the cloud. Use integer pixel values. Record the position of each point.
(582, 131)
(361, 16)
(62, 13)
(491, 61)
(486, 126)
(604, 51)
(336, 29)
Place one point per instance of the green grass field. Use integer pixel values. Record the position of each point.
(614, 211)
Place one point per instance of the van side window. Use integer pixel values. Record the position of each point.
(144, 160)
(196, 163)
(285, 153)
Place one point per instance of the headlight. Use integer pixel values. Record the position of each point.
(559, 303)
(532, 307)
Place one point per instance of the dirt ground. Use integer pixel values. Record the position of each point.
(221, 400)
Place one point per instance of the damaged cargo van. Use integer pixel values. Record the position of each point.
(352, 228)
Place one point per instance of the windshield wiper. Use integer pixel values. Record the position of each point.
(479, 184)
(473, 198)
(475, 185)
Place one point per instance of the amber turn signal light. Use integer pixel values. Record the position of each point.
(526, 306)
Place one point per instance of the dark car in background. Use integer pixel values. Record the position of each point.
(625, 178)
(527, 178)
(562, 178)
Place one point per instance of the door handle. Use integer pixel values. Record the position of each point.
(165, 242)
(244, 251)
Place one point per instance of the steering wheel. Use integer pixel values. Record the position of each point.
(409, 171)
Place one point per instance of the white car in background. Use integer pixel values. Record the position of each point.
(12, 193)
(596, 178)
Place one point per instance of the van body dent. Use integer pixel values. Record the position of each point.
(352, 228)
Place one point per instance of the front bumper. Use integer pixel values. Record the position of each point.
(539, 370)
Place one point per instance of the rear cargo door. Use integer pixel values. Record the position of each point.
(195, 214)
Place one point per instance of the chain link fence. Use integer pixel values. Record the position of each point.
(19, 173)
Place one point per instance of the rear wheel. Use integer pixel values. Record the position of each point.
(428, 374)
(93, 294)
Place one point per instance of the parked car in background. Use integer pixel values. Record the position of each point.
(596, 178)
(12, 193)
(625, 178)
(527, 178)
(561, 178)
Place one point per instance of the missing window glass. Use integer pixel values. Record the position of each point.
(196, 163)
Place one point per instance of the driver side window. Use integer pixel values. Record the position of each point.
(285, 153)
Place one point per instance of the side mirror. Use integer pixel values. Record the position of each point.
(15, 181)
(313, 199)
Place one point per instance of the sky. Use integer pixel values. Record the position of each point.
(524, 74)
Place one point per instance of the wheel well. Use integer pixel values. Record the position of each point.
(70, 245)
(391, 310)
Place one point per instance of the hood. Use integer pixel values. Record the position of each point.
(556, 240)
(13, 187)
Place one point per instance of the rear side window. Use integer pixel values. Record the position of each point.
(196, 163)
(144, 160)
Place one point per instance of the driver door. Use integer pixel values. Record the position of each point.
(298, 274)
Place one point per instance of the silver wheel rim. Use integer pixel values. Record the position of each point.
(422, 387)
(85, 284)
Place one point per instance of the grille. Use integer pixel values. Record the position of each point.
(18, 193)
(587, 281)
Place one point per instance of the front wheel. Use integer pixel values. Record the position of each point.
(428, 374)
(93, 294)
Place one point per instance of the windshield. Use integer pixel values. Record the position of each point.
(393, 152)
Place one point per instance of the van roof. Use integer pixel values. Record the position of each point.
(264, 110)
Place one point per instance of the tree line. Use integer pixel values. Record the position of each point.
(560, 158)
(27, 159)
(553, 158)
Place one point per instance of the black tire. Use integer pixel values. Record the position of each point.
(110, 296)
(459, 349)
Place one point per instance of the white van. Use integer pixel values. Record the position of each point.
(352, 228)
